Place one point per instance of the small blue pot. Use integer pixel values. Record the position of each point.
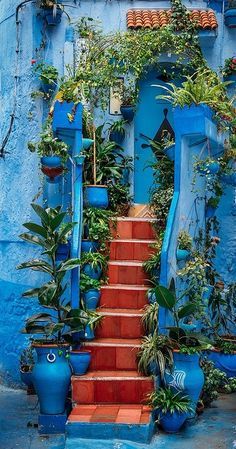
(224, 362)
(182, 254)
(87, 246)
(127, 112)
(213, 167)
(91, 298)
(79, 361)
(172, 422)
(51, 19)
(89, 333)
(94, 273)
(96, 196)
(26, 378)
(230, 18)
(63, 251)
(86, 143)
(210, 212)
(117, 137)
(51, 161)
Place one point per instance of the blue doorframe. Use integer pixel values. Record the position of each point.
(148, 119)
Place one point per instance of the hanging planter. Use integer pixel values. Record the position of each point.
(96, 196)
(128, 112)
(182, 254)
(52, 11)
(94, 272)
(91, 298)
(67, 115)
(79, 361)
(86, 143)
(51, 161)
(117, 131)
(170, 152)
(230, 17)
(184, 246)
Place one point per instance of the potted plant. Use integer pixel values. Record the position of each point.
(128, 102)
(51, 373)
(53, 10)
(184, 245)
(48, 75)
(90, 290)
(229, 69)
(96, 229)
(208, 166)
(172, 408)
(79, 361)
(228, 166)
(93, 264)
(150, 317)
(211, 206)
(119, 199)
(152, 265)
(66, 111)
(155, 355)
(230, 14)
(26, 366)
(117, 131)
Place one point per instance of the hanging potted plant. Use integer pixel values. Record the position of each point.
(93, 264)
(211, 206)
(90, 290)
(26, 367)
(67, 108)
(117, 131)
(228, 165)
(229, 70)
(96, 229)
(51, 373)
(171, 408)
(230, 14)
(128, 102)
(184, 246)
(48, 75)
(53, 10)
(207, 166)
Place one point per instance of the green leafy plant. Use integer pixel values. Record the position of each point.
(229, 66)
(63, 321)
(184, 240)
(27, 360)
(48, 74)
(87, 283)
(118, 126)
(224, 346)
(97, 225)
(150, 317)
(119, 198)
(49, 145)
(96, 260)
(155, 354)
(167, 400)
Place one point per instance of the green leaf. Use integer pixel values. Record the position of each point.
(31, 293)
(47, 294)
(39, 317)
(32, 239)
(37, 265)
(186, 310)
(36, 228)
(164, 297)
(41, 213)
(57, 221)
(66, 230)
(176, 333)
(70, 264)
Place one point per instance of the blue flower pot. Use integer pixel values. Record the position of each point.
(89, 333)
(172, 422)
(127, 112)
(210, 212)
(94, 273)
(26, 378)
(87, 246)
(62, 113)
(230, 18)
(51, 378)
(224, 362)
(187, 377)
(63, 251)
(51, 161)
(79, 361)
(91, 298)
(52, 19)
(182, 254)
(213, 167)
(117, 137)
(96, 196)
(86, 143)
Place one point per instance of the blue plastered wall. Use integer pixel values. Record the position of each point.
(20, 178)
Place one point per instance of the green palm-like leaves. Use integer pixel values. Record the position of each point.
(167, 400)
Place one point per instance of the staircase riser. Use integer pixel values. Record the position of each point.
(123, 299)
(130, 251)
(120, 327)
(134, 230)
(112, 358)
(110, 391)
(129, 274)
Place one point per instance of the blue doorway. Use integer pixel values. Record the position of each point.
(149, 117)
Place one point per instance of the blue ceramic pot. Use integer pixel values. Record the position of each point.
(117, 137)
(87, 246)
(182, 254)
(96, 196)
(86, 143)
(172, 422)
(52, 19)
(79, 361)
(187, 377)
(127, 112)
(51, 161)
(51, 378)
(224, 362)
(89, 333)
(94, 273)
(63, 251)
(91, 298)
(26, 378)
(210, 212)
(230, 18)
(213, 167)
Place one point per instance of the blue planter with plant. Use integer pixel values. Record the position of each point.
(224, 362)
(230, 18)
(117, 137)
(86, 143)
(96, 196)
(184, 242)
(91, 298)
(182, 254)
(79, 361)
(92, 271)
(172, 422)
(89, 246)
(63, 251)
(53, 17)
(51, 161)
(128, 112)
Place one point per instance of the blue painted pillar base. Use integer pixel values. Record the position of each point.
(52, 424)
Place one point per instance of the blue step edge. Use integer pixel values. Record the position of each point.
(140, 433)
(52, 424)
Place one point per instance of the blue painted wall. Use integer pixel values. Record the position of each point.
(19, 173)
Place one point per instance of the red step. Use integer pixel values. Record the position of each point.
(127, 414)
(135, 228)
(112, 354)
(113, 387)
(123, 296)
(131, 249)
(120, 323)
(126, 272)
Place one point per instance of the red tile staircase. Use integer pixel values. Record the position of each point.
(112, 394)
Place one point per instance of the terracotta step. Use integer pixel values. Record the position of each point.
(131, 249)
(112, 354)
(114, 387)
(114, 421)
(120, 323)
(126, 272)
(123, 296)
(135, 228)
